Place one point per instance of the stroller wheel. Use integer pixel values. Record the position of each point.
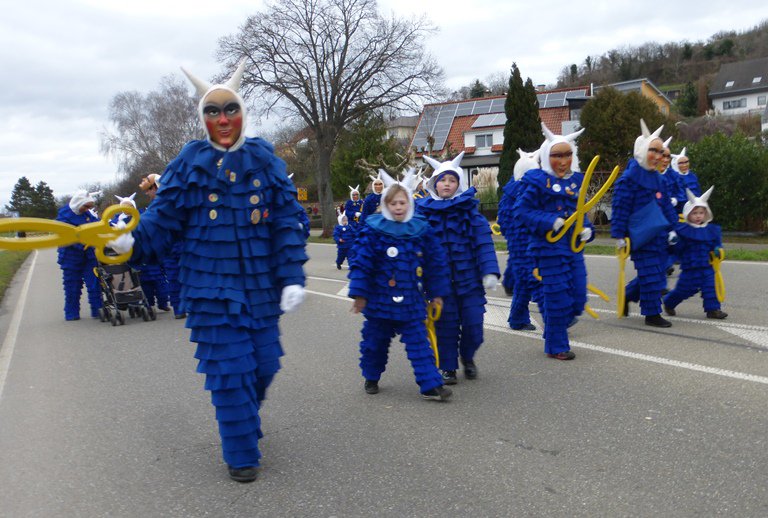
(145, 313)
(131, 312)
(120, 318)
(113, 317)
(102, 315)
(152, 314)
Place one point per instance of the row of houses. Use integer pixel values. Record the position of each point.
(476, 126)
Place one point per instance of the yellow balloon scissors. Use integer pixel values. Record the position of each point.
(433, 315)
(582, 207)
(597, 291)
(96, 234)
(715, 261)
(496, 229)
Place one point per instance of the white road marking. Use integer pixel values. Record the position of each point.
(9, 343)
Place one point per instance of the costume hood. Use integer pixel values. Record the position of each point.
(205, 88)
(409, 182)
(525, 163)
(376, 180)
(701, 201)
(127, 199)
(550, 140)
(442, 168)
(80, 198)
(341, 216)
(643, 142)
(676, 158)
(353, 190)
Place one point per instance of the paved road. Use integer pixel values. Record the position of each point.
(103, 421)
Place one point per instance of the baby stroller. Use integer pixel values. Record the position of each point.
(121, 291)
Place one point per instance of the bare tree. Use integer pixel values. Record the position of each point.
(150, 129)
(328, 62)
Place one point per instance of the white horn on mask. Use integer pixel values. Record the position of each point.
(201, 87)
(237, 77)
(705, 197)
(434, 164)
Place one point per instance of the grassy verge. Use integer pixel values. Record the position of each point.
(10, 260)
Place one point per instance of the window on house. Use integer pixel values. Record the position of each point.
(729, 84)
(757, 79)
(761, 100)
(482, 141)
(738, 103)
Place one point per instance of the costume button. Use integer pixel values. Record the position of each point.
(213, 197)
(257, 183)
(255, 199)
(255, 216)
(213, 214)
(232, 176)
(392, 251)
(220, 161)
(419, 271)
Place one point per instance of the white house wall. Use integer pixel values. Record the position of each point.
(469, 140)
(751, 106)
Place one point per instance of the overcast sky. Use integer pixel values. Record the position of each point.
(62, 61)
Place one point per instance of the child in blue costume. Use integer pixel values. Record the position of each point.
(372, 201)
(397, 261)
(452, 212)
(686, 178)
(549, 196)
(76, 261)
(344, 235)
(353, 208)
(230, 201)
(641, 188)
(518, 276)
(698, 238)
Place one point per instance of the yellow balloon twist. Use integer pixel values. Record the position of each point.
(495, 229)
(719, 282)
(621, 295)
(96, 234)
(433, 315)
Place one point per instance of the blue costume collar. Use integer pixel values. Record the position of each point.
(414, 227)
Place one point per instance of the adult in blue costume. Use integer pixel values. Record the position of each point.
(549, 196)
(518, 279)
(642, 210)
(452, 212)
(353, 208)
(154, 280)
(699, 238)
(676, 195)
(372, 201)
(76, 261)
(397, 262)
(344, 235)
(686, 178)
(230, 201)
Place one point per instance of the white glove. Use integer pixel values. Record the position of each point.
(124, 242)
(586, 234)
(358, 214)
(621, 243)
(558, 224)
(674, 201)
(490, 282)
(291, 297)
(672, 238)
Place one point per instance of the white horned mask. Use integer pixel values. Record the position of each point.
(550, 140)
(643, 142)
(443, 168)
(409, 182)
(701, 201)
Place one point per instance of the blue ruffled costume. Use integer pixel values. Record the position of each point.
(696, 273)
(154, 282)
(635, 189)
(237, 216)
(545, 198)
(344, 235)
(394, 266)
(171, 269)
(352, 207)
(466, 237)
(370, 204)
(77, 264)
(518, 276)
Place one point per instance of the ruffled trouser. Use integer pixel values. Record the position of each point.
(156, 292)
(509, 277)
(239, 364)
(651, 279)
(341, 254)
(564, 294)
(73, 279)
(525, 284)
(374, 350)
(460, 329)
(171, 267)
(691, 281)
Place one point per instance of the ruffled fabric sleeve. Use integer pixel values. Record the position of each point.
(620, 207)
(361, 266)
(437, 278)
(337, 233)
(528, 207)
(482, 241)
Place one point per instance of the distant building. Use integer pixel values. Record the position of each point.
(402, 129)
(740, 87)
(476, 126)
(646, 88)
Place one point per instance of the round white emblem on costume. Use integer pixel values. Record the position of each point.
(573, 186)
(398, 299)
(392, 251)
(556, 187)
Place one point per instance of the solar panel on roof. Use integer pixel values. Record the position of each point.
(481, 107)
(497, 105)
(464, 109)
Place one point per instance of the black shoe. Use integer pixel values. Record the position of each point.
(508, 291)
(449, 377)
(573, 322)
(243, 474)
(625, 310)
(338, 267)
(669, 311)
(371, 387)
(670, 271)
(437, 394)
(717, 314)
(565, 355)
(525, 327)
(470, 369)
(179, 316)
(164, 308)
(657, 321)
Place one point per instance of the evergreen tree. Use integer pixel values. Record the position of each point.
(43, 202)
(688, 101)
(523, 127)
(22, 198)
(477, 90)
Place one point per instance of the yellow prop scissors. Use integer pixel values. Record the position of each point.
(583, 207)
(719, 282)
(433, 315)
(591, 312)
(496, 229)
(96, 234)
(621, 294)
